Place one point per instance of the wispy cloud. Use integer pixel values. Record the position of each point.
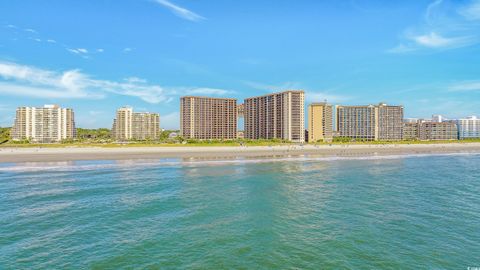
(446, 25)
(208, 91)
(51, 41)
(310, 94)
(30, 30)
(22, 80)
(465, 86)
(471, 11)
(127, 50)
(180, 11)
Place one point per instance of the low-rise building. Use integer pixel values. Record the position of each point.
(437, 131)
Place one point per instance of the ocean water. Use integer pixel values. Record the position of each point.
(416, 212)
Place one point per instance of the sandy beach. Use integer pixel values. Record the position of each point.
(9, 154)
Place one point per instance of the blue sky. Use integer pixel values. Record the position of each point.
(96, 56)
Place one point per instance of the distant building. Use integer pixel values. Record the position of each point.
(206, 118)
(47, 124)
(129, 125)
(370, 122)
(468, 128)
(320, 122)
(436, 118)
(411, 130)
(276, 116)
(446, 130)
(240, 110)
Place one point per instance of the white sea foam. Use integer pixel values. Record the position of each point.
(196, 162)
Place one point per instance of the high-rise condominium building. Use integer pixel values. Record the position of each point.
(320, 122)
(468, 128)
(207, 118)
(371, 122)
(47, 124)
(276, 116)
(129, 125)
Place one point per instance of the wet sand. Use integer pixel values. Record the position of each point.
(11, 154)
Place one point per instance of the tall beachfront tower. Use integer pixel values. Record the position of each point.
(371, 122)
(129, 125)
(320, 122)
(207, 118)
(276, 116)
(47, 124)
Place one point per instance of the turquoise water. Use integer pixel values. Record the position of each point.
(386, 213)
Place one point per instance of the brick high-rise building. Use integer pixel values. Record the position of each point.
(276, 116)
(47, 124)
(371, 122)
(207, 118)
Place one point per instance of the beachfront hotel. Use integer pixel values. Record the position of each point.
(371, 122)
(47, 124)
(320, 123)
(276, 116)
(436, 129)
(207, 118)
(468, 128)
(130, 125)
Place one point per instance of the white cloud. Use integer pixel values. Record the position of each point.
(180, 11)
(446, 25)
(126, 50)
(435, 40)
(78, 51)
(100, 50)
(466, 86)
(37, 39)
(471, 11)
(51, 41)
(30, 30)
(21, 80)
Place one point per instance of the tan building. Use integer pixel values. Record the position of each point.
(433, 131)
(410, 131)
(47, 124)
(276, 116)
(320, 123)
(129, 125)
(390, 122)
(207, 118)
(371, 122)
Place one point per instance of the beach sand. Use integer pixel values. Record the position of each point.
(11, 154)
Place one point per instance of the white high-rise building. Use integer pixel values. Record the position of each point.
(129, 125)
(47, 124)
(468, 128)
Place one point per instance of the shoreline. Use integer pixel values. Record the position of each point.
(17, 155)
